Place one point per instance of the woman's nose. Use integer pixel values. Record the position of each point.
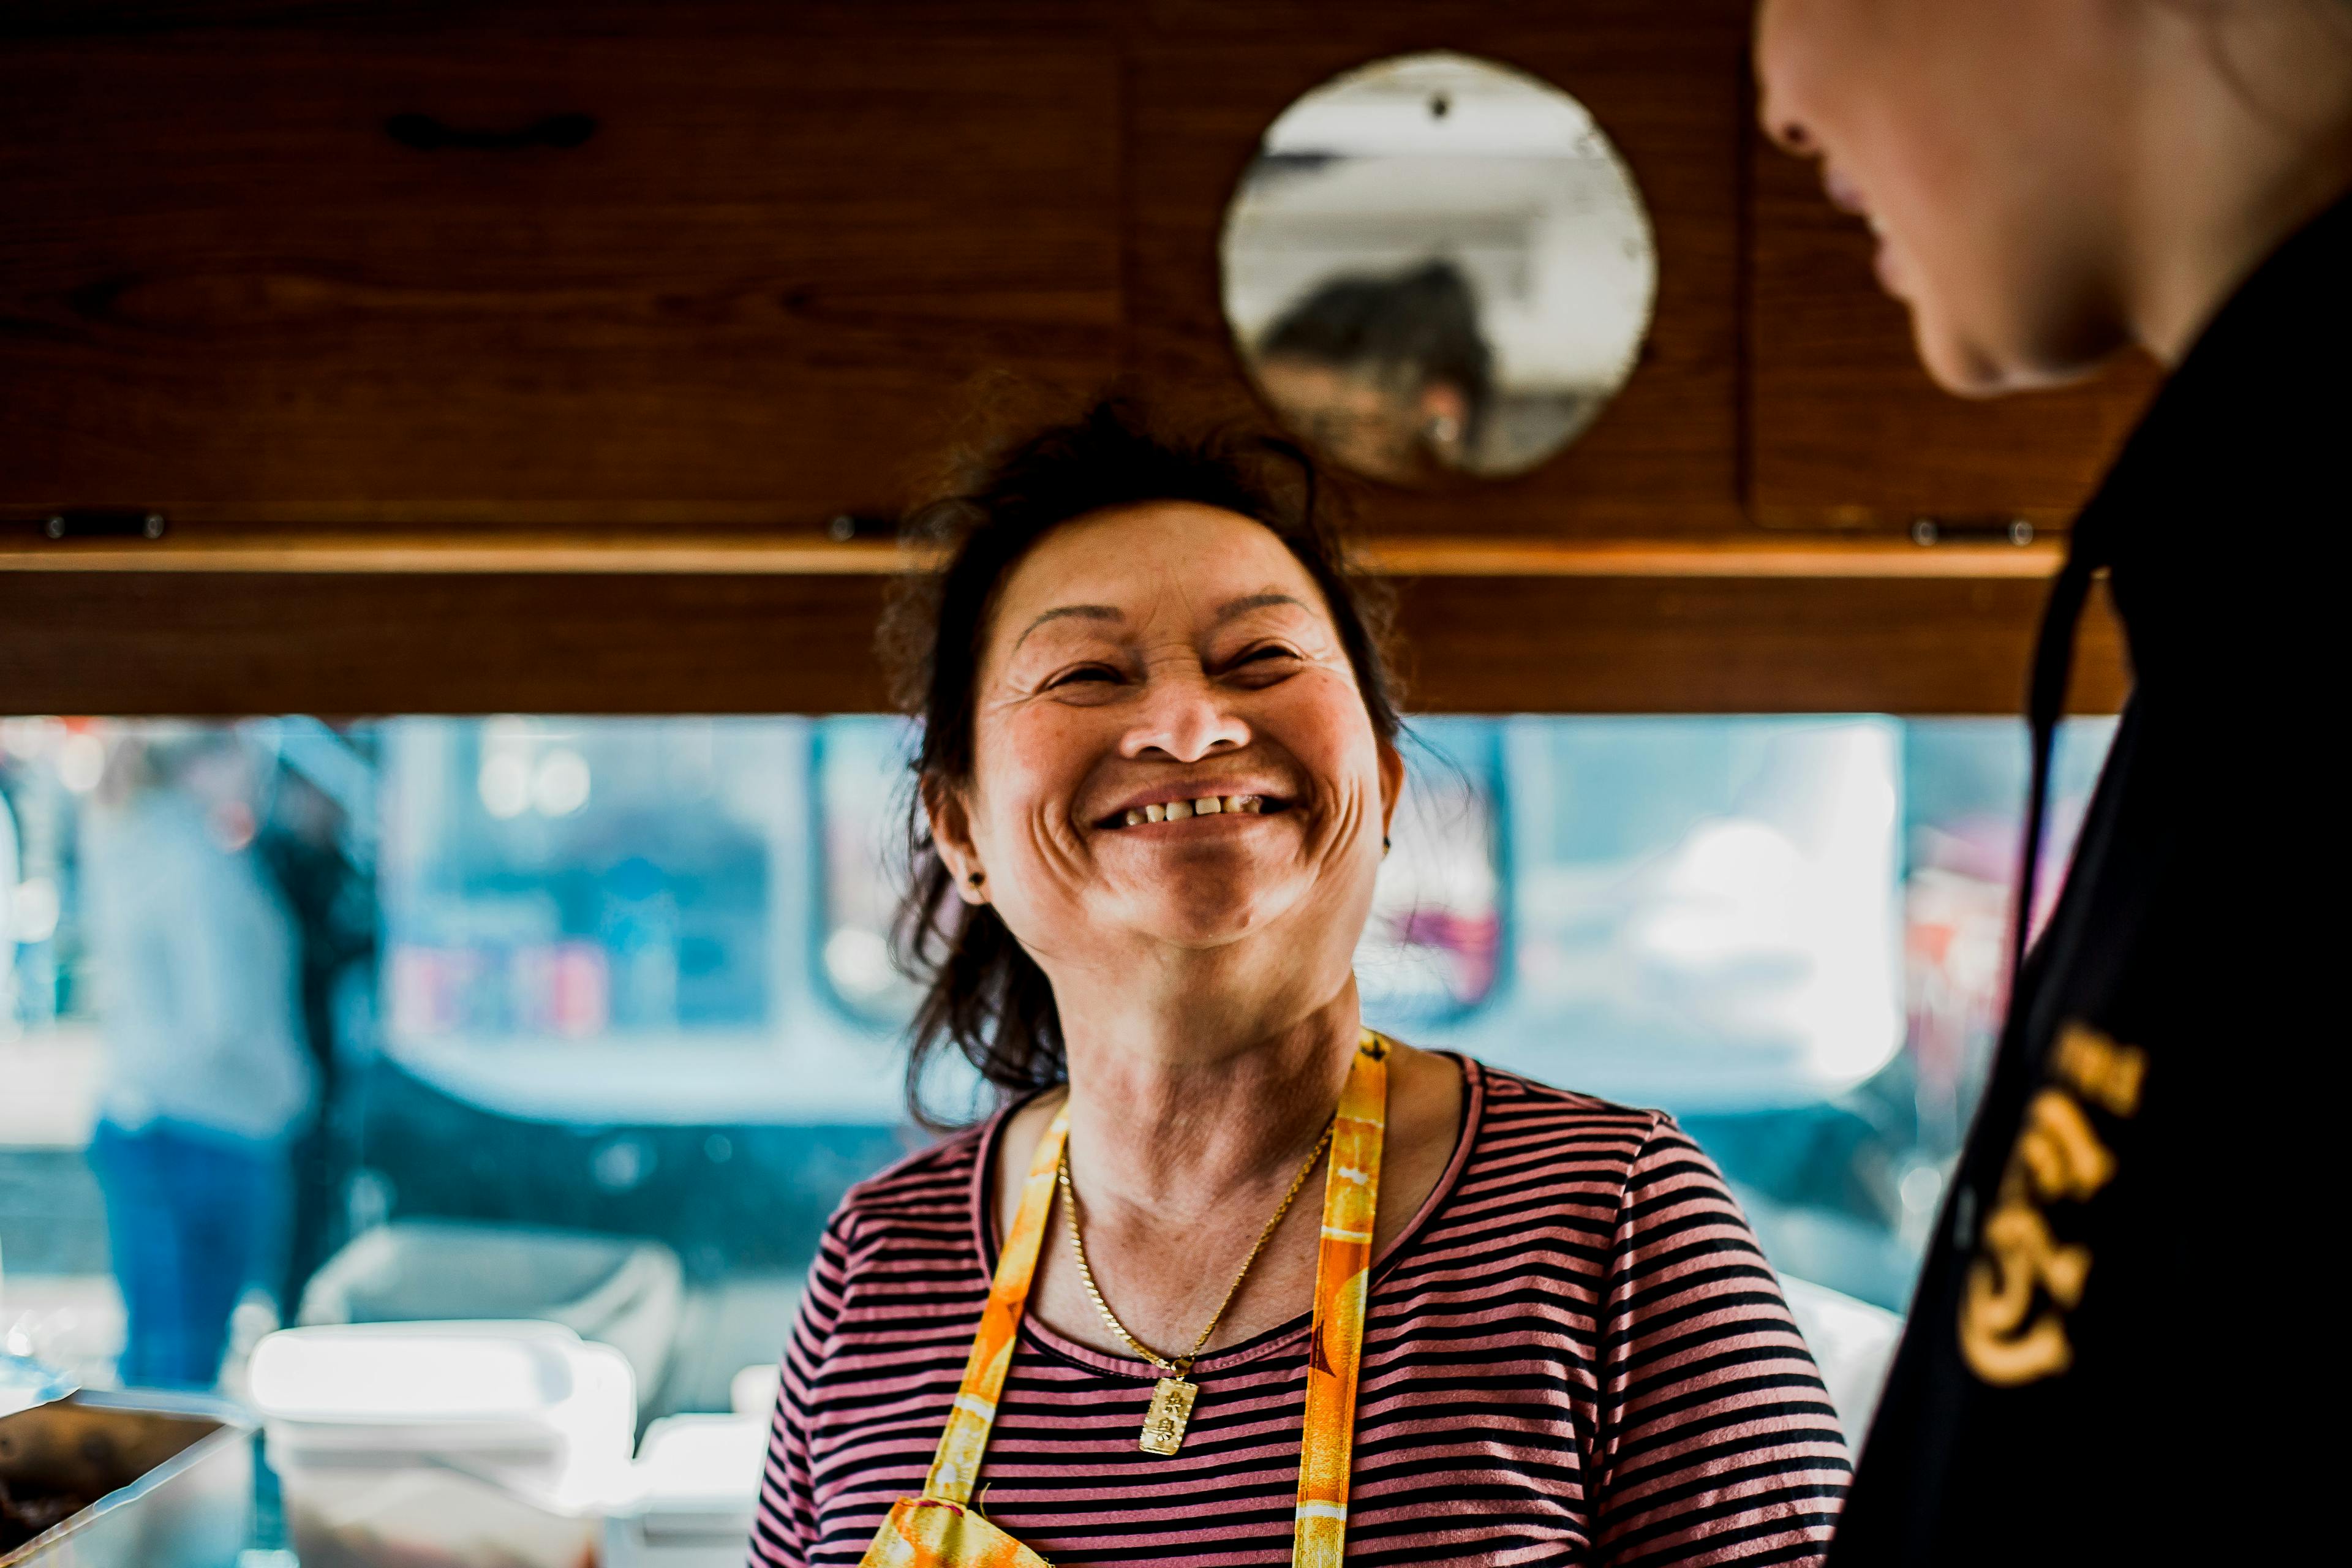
(1184, 720)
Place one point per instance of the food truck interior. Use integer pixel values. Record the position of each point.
(449, 461)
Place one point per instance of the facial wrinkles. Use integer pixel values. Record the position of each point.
(1052, 841)
(1183, 705)
(1195, 706)
(1179, 705)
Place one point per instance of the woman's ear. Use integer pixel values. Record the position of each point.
(943, 802)
(1391, 784)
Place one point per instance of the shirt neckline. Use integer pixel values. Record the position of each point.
(1258, 1346)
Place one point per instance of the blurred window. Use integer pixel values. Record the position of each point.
(864, 792)
(1434, 952)
(634, 975)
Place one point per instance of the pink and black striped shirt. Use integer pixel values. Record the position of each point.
(1574, 1353)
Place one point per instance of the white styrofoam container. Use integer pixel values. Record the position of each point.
(1853, 1344)
(691, 1494)
(465, 1444)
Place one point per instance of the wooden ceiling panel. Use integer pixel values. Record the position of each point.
(233, 291)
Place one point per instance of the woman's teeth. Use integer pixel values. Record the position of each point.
(1207, 806)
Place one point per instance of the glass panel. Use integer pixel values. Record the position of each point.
(579, 878)
(1433, 950)
(864, 792)
(609, 919)
(1706, 907)
(625, 976)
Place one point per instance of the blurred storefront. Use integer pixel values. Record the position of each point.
(633, 977)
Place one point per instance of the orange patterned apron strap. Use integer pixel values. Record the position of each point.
(1351, 1194)
(956, 1467)
(942, 1529)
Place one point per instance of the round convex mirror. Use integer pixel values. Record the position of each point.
(1437, 266)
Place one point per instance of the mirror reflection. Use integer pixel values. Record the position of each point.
(1437, 266)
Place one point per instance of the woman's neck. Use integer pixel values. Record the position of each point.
(1178, 1110)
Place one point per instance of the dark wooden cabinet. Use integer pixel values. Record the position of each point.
(700, 265)
(1205, 80)
(662, 267)
(519, 354)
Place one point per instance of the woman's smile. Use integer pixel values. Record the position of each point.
(1172, 754)
(1180, 803)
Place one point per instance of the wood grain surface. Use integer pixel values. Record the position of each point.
(512, 421)
(768, 280)
(348, 645)
(1205, 80)
(233, 295)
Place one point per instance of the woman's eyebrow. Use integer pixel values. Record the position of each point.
(1233, 608)
(1068, 612)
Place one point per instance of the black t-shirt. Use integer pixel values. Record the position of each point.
(2121, 1349)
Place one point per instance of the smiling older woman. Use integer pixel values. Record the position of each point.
(1507, 1325)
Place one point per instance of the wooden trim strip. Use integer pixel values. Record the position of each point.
(343, 644)
(471, 554)
(1816, 558)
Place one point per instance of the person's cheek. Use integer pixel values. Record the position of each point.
(1049, 779)
(1334, 744)
(1006, 763)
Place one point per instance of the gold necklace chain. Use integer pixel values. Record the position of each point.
(1180, 1366)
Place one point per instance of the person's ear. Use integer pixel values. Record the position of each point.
(950, 818)
(1391, 785)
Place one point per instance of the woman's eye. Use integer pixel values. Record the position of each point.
(1082, 675)
(1266, 659)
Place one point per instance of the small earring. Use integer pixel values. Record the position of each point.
(1385, 845)
(977, 878)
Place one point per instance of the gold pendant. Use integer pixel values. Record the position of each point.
(1171, 1413)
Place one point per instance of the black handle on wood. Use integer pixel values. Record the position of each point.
(103, 522)
(428, 134)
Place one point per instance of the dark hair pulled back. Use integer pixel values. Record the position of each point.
(983, 995)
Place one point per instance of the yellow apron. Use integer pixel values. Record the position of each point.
(941, 1529)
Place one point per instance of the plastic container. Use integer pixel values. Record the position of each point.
(26, 1383)
(1853, 1343)
(623, 1291)
(445, 1444)
(691, 1496)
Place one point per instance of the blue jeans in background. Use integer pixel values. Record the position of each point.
(192, 1218)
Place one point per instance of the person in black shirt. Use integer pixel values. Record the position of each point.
(2117, 1352)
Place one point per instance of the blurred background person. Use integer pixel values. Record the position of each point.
(1390, 376)
(205, 1077)
(306, 844)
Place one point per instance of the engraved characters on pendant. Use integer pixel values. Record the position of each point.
(1171, 1413)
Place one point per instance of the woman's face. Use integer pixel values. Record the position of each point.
(1980, 139)
(1139, 665)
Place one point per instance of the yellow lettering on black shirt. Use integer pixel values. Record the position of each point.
(2024, 1280)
